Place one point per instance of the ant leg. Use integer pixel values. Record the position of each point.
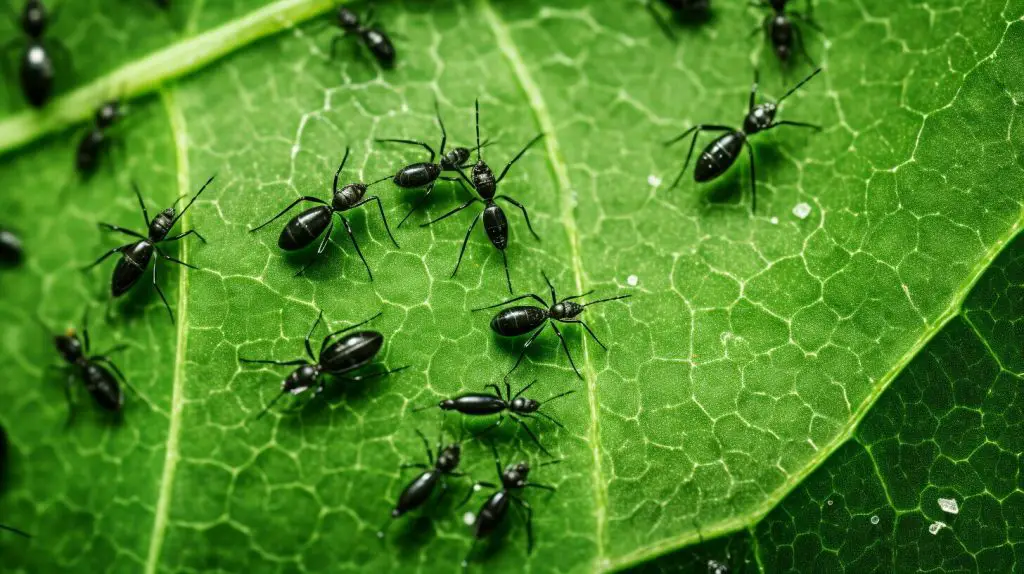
(382, 216)
(571, 297)
(523, 352)
(529, 522)
(508, 277)
(173, 260)
(523, 209)
(112, 350)
(494, 386)
(106, 361)
(375, 375)
(426, 445)
(541, 486)
(161, 293)
(592, 335)
(142, 204)
(535, 139)
(424, 145)
(551, 286)
(105, 255)
(513, 300)
(334, 44)
(355, 243)
(273, 362)
(452, 212)
(803, 47)
(110, 227)
(465, 242)
(753, 178)
(473, 489)
(85, 328)
(566, 348)
(406, 465)
(70, 397)
(524, 389)
(289, 208)
(323, 345)
(419, 204)
(319, 250)
(530, 432)
(305, 342)
(15, 530)
(660, 21)
(549, 417)
(696, 131)
(187, 233)
(753, 88)
(272, 403)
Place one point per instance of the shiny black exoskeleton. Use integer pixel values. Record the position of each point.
(37, 68)
(782, 32)
(135, 257)
(515, 406)
(96, 141)
(720, 154)
(10, 248)
(514, 478)
(98, 373)
(3, 469)
(303, 229)
(373, 37)
(689, 10)
(485, 184)
(340, 358)
(426, 174)
(522, 319)
(420, 489)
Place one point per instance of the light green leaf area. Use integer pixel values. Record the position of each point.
(752, 347)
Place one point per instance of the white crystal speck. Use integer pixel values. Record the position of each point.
(949, 505)
(936, 526)
(653, 180)
(874, 519)
(774, 220)
(469, 518)
(802, 210)
(632, 280)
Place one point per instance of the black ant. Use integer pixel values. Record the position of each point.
(303, 229)
(485, 184)
(484, 404)
(691, 9)
(720, 154)
(522, 319)
(135, 257)
(339, 358)
(37, 69)
(10, 248)
(96, 140)
(514, 478)
(97, 372)
(426, 174)
(419, 490)
(374, 38)
(781, 31)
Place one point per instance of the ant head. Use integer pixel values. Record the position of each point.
(300, 379)
(524, 405)
(108, 113)
(455, 157)
(448, 458)
(515, 475)
(347, 19)
(33, 18)
(68, 345)
(760, 118)
(447, 405)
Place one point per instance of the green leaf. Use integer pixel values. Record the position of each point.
(753, 345)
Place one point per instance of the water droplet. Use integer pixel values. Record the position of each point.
(632, 280)
(716, 567)
(654, 180)
(949, 505)
(774, 220)
(802, 210)
(874, 519)
(830, 503)
(469, 518)
(936, 526)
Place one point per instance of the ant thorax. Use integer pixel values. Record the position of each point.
(161, 224)
(483, 180)
(565, 310)
(348, 196)
(448, 459)
(524, 405)
(760, 118)
(300, 379)
(515, 475)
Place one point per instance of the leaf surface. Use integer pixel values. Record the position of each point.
(752, 347)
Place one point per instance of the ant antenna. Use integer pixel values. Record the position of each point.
(194, 197)
(549, 399)
(371, 184)
(798, 86)
(606, 300)
(341, 167)
(15, 530)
